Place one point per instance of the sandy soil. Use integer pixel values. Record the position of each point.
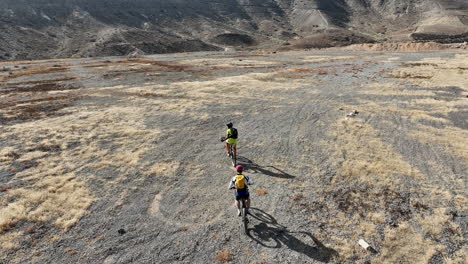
(114, 160)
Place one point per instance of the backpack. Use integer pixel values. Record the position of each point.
(241, 182)
(233, 133)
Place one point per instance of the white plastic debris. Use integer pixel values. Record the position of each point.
(363, 244)
(353, 113)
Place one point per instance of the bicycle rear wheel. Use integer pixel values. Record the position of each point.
(245, 221)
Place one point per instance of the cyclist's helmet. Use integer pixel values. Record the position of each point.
(229, 125)
(239, 168)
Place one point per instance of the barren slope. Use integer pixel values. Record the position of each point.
(31, 29)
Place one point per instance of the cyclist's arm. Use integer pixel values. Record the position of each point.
(249, 180)
(231, 184)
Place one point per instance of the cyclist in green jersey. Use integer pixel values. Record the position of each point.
(231, 138)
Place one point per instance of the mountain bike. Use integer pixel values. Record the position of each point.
(245, 220)
(232, 153)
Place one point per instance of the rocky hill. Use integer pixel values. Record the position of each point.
(33, 29)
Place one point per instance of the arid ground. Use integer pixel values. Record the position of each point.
(116, 160)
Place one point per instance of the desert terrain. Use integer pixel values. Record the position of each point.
(32, 29)
(118, 160)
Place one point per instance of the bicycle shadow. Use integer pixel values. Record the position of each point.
(269, 233)
(256, 168)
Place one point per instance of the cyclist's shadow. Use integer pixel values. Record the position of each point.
(274, 172)
(269, 233)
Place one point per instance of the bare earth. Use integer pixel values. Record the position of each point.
(115, 160)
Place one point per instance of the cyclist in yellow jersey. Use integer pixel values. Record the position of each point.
(241, 192)
(231, 138)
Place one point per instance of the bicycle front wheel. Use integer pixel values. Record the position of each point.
(245, 221)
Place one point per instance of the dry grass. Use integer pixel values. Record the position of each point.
(229, 63)
(393, 89)
(366, 158)
(66, 151)
(405, 245)
(459, 257)
(318, 59)
(414, 115)
(165, 169)
(61, 199)
(33, 70)
(224, 256)
(296, 197)
(8, 154)
(437, 72)
(9, 241)
(456, 139)
(248, 252)
(261, 192)
(435, 223)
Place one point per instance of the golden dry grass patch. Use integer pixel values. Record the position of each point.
(437, 72)
(165, 169)
(261, 192)
(393, 89)
(459, 257)
(436, 222)
(229, 62)
(8, 154)
(455, 138)
(461, 202)
(9, 241)
(412, 112)
(404, 245)
(366, 158)
(191, 97)
(29, 156)
(60, 199)
(317, 58)
(224, 256)
(64, 150)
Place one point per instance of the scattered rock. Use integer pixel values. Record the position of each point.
(352, 113)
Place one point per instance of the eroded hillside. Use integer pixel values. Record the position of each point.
(31, 29)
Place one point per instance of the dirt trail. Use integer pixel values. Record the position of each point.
(135, 145)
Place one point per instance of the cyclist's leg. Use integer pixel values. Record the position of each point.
(237, 201)
(235, 146)
(227, 148)
(238, 205)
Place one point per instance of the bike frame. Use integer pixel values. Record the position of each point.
(245, 221)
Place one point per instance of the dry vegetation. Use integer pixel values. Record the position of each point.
(224, 256)
(56, 147)
(368, 161)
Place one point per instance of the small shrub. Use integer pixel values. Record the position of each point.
(224, 256)
(296, 197)
(260, 192)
